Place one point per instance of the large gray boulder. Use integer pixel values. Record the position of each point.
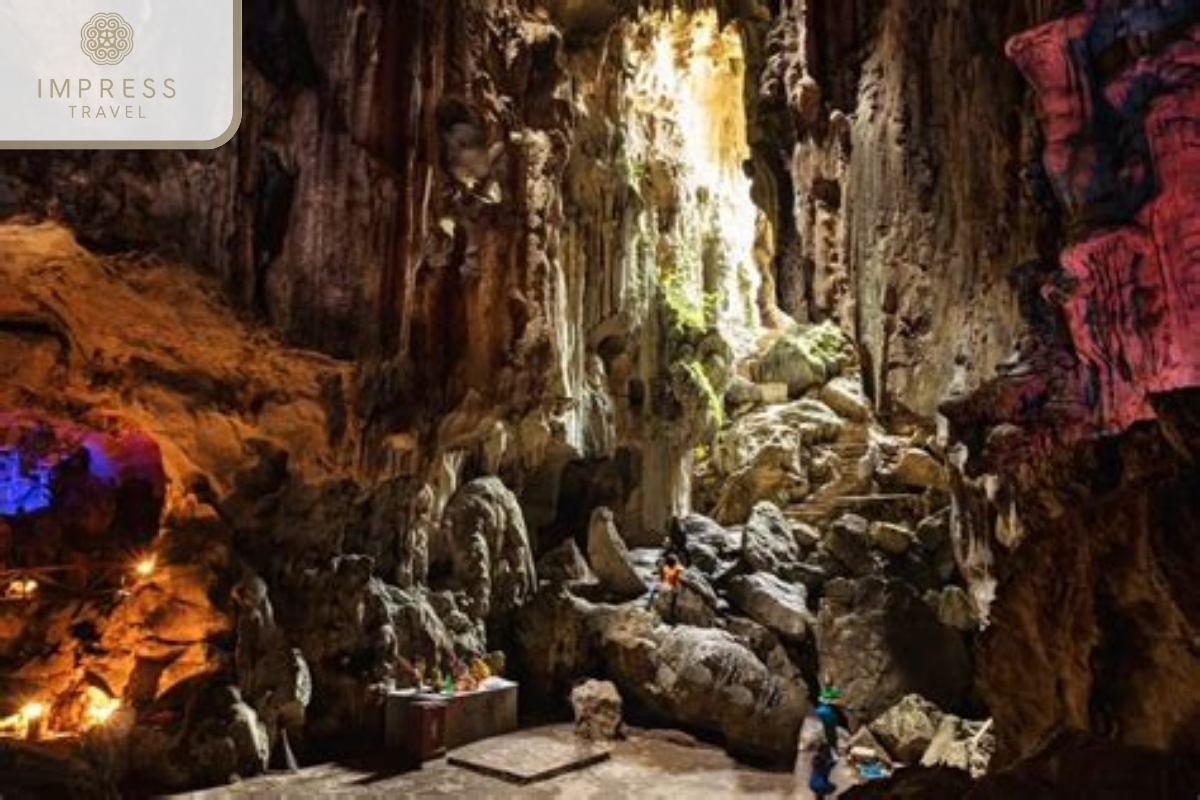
(710, 546)
(768, 544)
(907, 728)
(706, 679)
(773, 603)
(609, 557)
(879, 641)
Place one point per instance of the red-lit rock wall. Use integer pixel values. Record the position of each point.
(1077, 495)
(1119, 103)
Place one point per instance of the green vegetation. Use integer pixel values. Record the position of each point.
(704, 388)
(688, 318)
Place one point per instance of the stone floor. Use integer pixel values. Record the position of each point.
(647, 766)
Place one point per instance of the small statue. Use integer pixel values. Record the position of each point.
(480, 670)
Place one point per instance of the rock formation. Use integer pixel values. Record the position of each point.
(890, 306)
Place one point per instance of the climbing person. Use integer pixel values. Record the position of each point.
(819, 782)
(670, 576)
(830, 713)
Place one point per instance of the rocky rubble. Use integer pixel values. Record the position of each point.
(859, 591)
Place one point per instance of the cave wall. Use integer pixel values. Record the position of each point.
(912, 139)
(1080, 457)
(396, 196)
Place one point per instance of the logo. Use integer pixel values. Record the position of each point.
(157, 74)
(106, 39)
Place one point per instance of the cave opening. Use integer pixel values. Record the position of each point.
(685, 120)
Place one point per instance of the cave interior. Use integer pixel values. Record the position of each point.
(881, 319)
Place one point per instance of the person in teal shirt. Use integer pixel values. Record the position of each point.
(830, 713)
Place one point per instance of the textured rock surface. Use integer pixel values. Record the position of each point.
(878, 641)
(1047, 506)
(704, 678)
(598, 710)
(610, 559)
(768, 544)
(778, 606)
(907, 728)
(489, 549)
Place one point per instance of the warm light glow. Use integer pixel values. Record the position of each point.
(686, 113)
(33, 711)
(145, 567)
(100, 708)
(21, 589)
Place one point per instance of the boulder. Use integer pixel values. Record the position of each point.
(598, 711)
(804, 357)
(891, 538)
(879, 641)
(954, 608)
(917, 468)
(566, 565)
(554, 643)
(773, 474)
(848, 542)
(907, 728)
(705, 679)
(693, 603)
(709, 545)
(779, 606)
(489, 547)
(610, 558)
(773, 393)
(784, 427)
(961, 744)
(760, 456)
(845, 396)
(768, 544)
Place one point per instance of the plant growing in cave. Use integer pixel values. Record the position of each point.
(699, 385)
(689, 317)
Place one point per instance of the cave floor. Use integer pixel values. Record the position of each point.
(646, 765)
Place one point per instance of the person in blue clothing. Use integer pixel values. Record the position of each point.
(830, 713)
(820, 782)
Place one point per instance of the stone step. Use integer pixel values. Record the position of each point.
(884, 507)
